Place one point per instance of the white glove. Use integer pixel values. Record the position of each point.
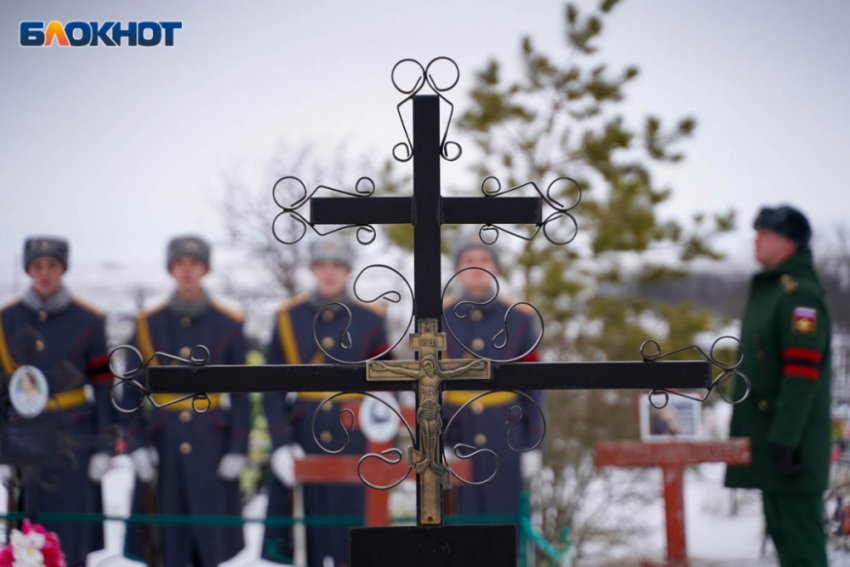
(6, 473)
(530, 464)
(231, 466)
(283, 463)
(98, 465)
(143, 461)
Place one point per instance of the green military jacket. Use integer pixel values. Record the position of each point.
(786, 340)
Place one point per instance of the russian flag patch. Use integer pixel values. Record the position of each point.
(804, 320)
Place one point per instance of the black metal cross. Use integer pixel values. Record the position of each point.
(427, 210)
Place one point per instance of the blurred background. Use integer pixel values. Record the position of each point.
(679, 120)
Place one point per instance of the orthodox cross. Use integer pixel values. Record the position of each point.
(427, 210)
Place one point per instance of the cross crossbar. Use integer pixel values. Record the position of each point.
(528, 375)
(399, 210)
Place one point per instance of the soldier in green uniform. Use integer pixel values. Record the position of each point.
(786, 338)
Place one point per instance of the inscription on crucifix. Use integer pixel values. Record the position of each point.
(429, 371)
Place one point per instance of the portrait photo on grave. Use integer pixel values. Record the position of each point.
(679, 420)
(28, 391)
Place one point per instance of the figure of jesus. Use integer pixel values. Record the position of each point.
(428, 419)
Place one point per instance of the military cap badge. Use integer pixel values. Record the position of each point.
(788, 284)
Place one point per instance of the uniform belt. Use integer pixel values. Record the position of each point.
(68, 400)
(215, 402)
(460, 397)
(319, 396)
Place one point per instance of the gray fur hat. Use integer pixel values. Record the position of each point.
(473, 240)
(331, 249)
(53, 246)
(189, 245)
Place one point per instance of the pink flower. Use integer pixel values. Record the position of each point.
(32, 546)
(6, 556)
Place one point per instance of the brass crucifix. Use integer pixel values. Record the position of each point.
(429, 371)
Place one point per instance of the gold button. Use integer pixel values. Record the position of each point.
(325, 437)
(186, 322)
(328, 315)
(328, 342)
(477, 407)
(480, 439)
(763, 405)
(42, 315)
(760, 355)
(39, 345)
(185, 352)
(478, 344)
(477, 315)
(328, 406)
(185, 448)
(185, 416)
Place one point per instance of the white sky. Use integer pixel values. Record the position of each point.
(120, 148)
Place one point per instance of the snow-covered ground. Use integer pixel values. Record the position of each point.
(715, 537)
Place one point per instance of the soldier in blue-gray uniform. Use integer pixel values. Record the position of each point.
(482, 424)
(290, 417)
(65, 340)
(200, 454)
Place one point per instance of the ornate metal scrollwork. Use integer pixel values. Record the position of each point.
(364, 187)
(727, 371)
(561, 212)
(380, 456)
(449, 150)
(479, 450)
(345, 341)
(505, 331)
(198, 356)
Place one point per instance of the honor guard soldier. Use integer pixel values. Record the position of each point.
(201, 455)
(483, 423)
(290, 417)
(56, 346)
(786, 338)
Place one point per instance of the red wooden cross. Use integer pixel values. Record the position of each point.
(672, 458)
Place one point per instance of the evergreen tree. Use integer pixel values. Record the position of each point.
(562, 120)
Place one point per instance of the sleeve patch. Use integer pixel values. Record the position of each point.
(804, 320)
(98, 362)
(801, 371)
(798, 355)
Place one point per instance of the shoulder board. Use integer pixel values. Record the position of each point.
(379, 310)
(522, 307)
(789, 284)
(232, 313)
(148, 312)
(11, 304)
(295, 301)
(87, 306)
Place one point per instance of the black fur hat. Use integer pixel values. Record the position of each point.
(787, 221)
